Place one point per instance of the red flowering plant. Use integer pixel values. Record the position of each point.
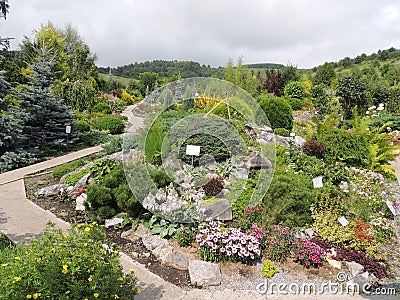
(81, 191)
(309, 254)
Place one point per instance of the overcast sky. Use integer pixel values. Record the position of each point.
(303, 32)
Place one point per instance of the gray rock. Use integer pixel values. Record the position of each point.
(159, 247)
(52, 190)
(309, 232)
(283, 141)
(359, 281)
(258, 161)
(135, 234)
(262, 142)
(204, 273)
(220, 210)
(113, 221)
(299, 141)
(240, 173)
(118, 156)
(80, 200)
(80, 184)
(225, 192)
(354, 268)
(177, 260)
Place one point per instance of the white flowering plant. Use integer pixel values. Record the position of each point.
(186, 207)
(218, 243)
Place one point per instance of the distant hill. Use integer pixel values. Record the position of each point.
(166, 69)
(186, 69)
(265, 66)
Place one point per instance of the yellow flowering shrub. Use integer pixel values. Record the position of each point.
(65, 266)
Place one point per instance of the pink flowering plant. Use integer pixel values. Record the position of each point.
(309, 254)
(217, 243)
(279, 242)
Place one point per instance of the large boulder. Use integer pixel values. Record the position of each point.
(52, 190)
(176, 260)
(258, 160)
(204, 273)
(159, 247)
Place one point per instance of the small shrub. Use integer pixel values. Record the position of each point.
(214, 186)
(93, 137)
(159, 176)
(278, 112)
(295, 89)
(288, 198)
(349, 147)
(314, 148)
(102, 107)
(281, 132)
(185, 236)
(82, 126)
(114, 145)
(296, 104)
(75, 177)
(112, 124)
(100, 204)
(65, 266)
(268, 269)
(279, 242)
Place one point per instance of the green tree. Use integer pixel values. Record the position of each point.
(73, 66)
(290, 73)
(10, 122)
(45, 115)
(148, 79)
(351, 90)
(325, 74)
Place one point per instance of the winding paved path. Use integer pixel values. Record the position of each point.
(22, 220)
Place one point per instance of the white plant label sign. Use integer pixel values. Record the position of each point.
(317, 182)
(343, 221)
(292, 134)
(390, 206)
(68, 129)
(192, 150)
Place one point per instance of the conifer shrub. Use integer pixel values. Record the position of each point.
(112, 124)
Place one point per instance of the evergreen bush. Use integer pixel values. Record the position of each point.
(112, 124)
(278, 112)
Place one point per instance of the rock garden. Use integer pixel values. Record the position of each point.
(329, 207)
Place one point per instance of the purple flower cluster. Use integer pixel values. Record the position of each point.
(310, 254)
(217, 243)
